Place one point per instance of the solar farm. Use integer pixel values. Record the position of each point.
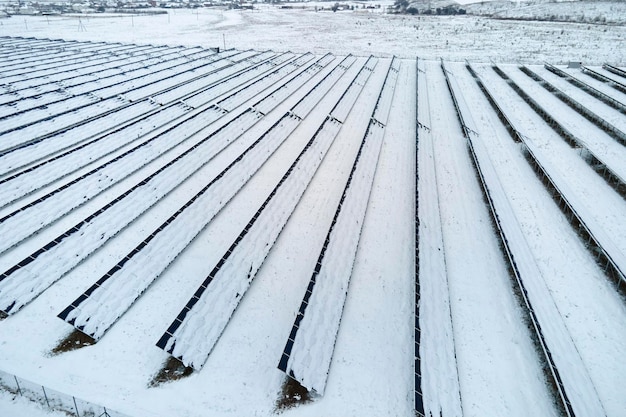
(205, 231)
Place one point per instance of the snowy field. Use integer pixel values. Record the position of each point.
(267, 211)
(360, 32)
(610, 12)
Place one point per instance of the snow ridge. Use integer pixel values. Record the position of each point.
(602, 122)
(71, 86)
(81, 80)
(616, 104)
(606, 76)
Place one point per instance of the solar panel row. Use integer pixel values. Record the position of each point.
(576, 392)
(168, 138)
(273, 137)
(93, 110)
(251, 246)
(46, 129)
(309, 363)
(295, 81)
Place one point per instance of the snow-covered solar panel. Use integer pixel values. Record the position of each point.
(195, 331)
(575, 386)
(96, 230)
(55, 65)
(85, 249)
(306, 104)
(278, 95)
(605, 76)
(616, 104)
(131, 276)
(193, 334)
(343, 107)
(237, 97)
(251, 90)
(95, 76)
(615, 70)
(604, 118)
(310, 345)
(19, 132)
(50, 169)
(436, 374)
(108, 120)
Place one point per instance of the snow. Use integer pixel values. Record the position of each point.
(579, 388)
(600, 85)
(108, 174)
(583, 190)
(27, 125)
(95, 230)
(125, 282)
(608, 74)
(569, 263)
(597, 11)
(205, 318)
(612, 117)
(61, 201)
(358, 32)
(478, 277)
(318, 322)
(204, 324)
(15, 406)
(438, 367)
(498, 369)
(68, 162)
(114, 294)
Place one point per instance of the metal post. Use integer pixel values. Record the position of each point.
(45, 395)
(76, 407)
(19, 390)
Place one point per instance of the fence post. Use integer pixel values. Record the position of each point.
(75, 407)
(19, 390)
(37, 398)
(45, 396)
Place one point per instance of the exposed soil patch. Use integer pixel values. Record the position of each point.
(73, 341)
(172, 370)
(292, 395)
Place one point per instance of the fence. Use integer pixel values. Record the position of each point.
(54, 400)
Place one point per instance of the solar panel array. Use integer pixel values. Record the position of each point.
(95, 137)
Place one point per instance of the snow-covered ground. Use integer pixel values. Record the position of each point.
(358, 32)
(11, 405)
(605, 12)
(238, 124)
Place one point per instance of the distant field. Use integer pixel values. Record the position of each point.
(359, 32)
